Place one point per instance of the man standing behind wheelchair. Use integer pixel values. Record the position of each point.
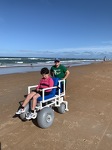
(59, 71)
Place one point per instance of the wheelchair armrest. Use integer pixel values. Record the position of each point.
(62, 81)
(43, 91)
(49, 88)
(30, 87)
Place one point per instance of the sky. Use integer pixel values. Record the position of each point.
(56, 28)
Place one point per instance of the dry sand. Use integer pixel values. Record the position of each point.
(87, 125)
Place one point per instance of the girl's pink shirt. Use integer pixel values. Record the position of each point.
(45, 83)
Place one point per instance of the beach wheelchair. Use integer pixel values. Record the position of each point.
(46, 104)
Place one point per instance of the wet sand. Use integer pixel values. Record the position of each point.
(87, 125)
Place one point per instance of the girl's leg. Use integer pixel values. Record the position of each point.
(21, 110)
(33, 113)
(34, 103)
(26, 101)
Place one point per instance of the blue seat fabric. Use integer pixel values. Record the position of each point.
(52, 93)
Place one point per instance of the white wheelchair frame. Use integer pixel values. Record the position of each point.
(55, 101)
(44, 108)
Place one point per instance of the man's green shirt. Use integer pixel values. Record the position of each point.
(58, 72)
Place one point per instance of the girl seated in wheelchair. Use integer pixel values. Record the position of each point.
(45, 82)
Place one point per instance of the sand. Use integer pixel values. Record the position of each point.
(87, 125)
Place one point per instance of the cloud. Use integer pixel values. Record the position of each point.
(107, 42)
(80, 52)
(88, 52)
(89, 49)
(25, 51)
(91, 52)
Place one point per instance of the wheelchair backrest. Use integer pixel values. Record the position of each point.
(54, 91)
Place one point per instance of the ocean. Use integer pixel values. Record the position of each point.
(10, 65)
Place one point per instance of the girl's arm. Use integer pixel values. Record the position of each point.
(51, 83)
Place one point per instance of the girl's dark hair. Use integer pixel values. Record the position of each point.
(44, 71)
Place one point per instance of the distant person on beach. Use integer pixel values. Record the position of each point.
(104, 59)
(59, 71)
(45, 82)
